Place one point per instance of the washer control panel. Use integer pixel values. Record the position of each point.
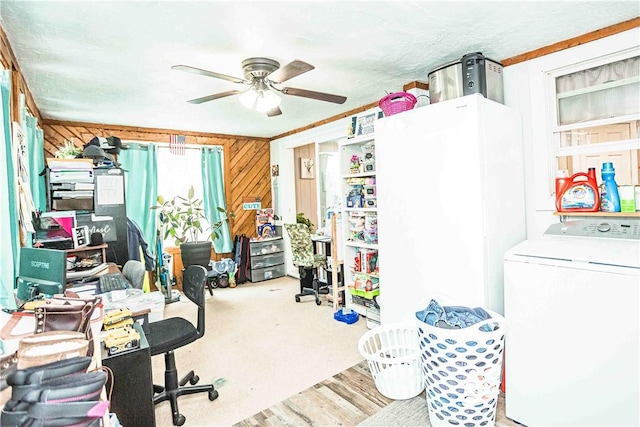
(612, 228)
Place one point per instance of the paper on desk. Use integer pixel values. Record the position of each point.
(84, 289)
(95, 217)
(69, 164)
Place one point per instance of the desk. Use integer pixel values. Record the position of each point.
(322, 245)
(132, 396)
(88, 286)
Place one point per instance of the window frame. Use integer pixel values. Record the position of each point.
(554, 130)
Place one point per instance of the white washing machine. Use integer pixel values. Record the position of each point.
(572, 308)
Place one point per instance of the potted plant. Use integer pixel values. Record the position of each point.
(68, 151)
(301, 219)
(183, 219)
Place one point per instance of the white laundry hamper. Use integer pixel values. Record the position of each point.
(393, 355)
(462, 370)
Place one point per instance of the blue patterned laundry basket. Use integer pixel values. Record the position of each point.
(462, 370)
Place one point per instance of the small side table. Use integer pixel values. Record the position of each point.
(132, 396)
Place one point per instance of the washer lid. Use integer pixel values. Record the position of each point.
(612, 252)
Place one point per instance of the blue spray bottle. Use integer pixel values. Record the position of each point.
(609, 199)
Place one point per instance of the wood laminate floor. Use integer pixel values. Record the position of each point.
(346, 399)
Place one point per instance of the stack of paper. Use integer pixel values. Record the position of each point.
(70, 170)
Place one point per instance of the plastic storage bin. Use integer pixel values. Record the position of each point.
(393, 356)
(462, 370)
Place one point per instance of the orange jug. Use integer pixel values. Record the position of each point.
(578, 193)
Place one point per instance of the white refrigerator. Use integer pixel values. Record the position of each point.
(450, 194)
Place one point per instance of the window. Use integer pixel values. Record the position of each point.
(179, 173)
(596, 116)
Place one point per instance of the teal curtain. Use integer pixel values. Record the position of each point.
(213, 194)
(35, 150)
(140, 162)
(9, 237)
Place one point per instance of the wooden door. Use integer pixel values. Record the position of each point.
(625, 162)
(306, 176)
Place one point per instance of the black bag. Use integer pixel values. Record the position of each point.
(241, 251)
(65, 396)
(223, 280)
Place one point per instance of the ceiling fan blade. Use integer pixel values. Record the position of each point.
(208, 73)
(274, 112)
(289, 71)
(214, 96)
(320, 96)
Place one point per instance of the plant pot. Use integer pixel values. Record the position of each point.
(198, 253)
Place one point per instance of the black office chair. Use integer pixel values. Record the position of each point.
(169, 334)
(307, 262)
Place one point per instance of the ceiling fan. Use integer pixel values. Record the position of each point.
(261, 76)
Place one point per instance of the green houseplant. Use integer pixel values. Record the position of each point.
(68, 151)
(183, 219)
(301, 219)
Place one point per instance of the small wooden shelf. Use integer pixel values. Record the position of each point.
(82, 251)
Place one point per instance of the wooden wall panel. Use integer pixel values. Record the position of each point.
(251, 178)
(247, 165)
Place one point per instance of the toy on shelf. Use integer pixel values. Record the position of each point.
(265, 223)
(354, 166)
(368, 163)
(355, 198)
(356, 226)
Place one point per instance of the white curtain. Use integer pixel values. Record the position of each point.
(600, 103)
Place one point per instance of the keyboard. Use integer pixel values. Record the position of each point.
(112, 282)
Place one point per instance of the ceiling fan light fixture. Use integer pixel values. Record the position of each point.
(260, 98)
(248, 98)
(260, 76)
(267, 100)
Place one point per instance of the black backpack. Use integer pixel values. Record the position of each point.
(241, 253)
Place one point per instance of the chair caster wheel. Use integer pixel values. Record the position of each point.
(194, 380)
(179, 420)
(297, 299)
(318, 302)
(213, 395)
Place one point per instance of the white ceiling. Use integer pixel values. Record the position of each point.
(110, 62)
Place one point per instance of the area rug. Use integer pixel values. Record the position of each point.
(401, 413)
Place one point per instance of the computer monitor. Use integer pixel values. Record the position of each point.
(42, 271)
(55, 230)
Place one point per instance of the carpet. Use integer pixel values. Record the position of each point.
(401, 413)
(260, 347)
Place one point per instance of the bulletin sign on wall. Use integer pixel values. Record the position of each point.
(251, 203)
